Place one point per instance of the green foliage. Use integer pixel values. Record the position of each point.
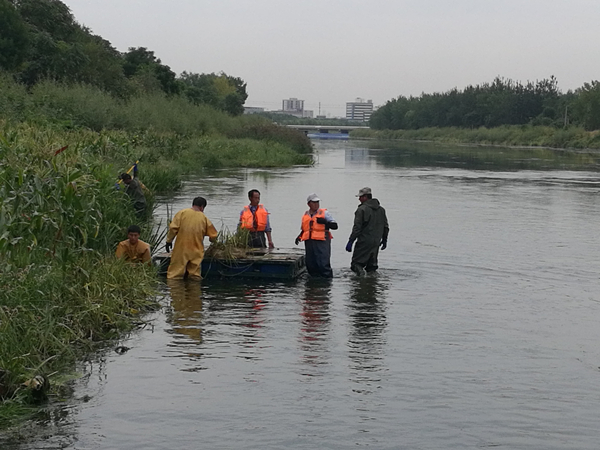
(157, 120)
(221, 91)
(507, 135)
(229, 246)
(140, 62)
(49, 16)
(255, 127)
(41, 40)
(503, 102)
(14, 39)
(83, 114)
(60, 218)
(586, 107)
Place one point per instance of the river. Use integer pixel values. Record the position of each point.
(480, 329)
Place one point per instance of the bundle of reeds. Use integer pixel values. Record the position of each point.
(229, 246)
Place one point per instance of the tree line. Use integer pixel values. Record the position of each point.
(41, 40)
(501, 102)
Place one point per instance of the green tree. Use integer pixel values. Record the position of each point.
(51, 16)
(14, 38)
(586, 105)
(200, 88)
(220, 91)
(141, 61)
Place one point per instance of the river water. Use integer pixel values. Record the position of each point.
(480, 329)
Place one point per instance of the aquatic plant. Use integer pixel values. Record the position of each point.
(229, 246)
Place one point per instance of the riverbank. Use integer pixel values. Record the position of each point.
(61, 149)
(509, 136)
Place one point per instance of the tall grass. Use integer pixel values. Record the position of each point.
(62, 214)
(62, 290)
(77, 106)
(508, 135)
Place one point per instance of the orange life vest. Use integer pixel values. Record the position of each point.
(256, 221)
(313, 230)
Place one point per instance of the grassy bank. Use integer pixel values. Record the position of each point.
(169, 135)
(509, 135)
(62, 292)
(61, 216)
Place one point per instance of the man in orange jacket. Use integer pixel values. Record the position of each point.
(255, 218)
(316, 223)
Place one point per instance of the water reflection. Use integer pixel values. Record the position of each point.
(357, 157)
(368, 323)
(315, 322)
(186, 309)
(237, 314)
(415, 154)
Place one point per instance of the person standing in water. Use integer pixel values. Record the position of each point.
(255, 218)
(316, 223)
(190, 226)
(370, 231)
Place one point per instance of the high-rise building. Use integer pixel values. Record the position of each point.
(359, 110)
(293, 105)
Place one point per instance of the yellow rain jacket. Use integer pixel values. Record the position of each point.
(190, 227)
(133, 253)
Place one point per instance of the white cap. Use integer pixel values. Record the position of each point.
(313, 198)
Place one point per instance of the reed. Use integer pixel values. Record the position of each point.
(229, 245)
(59, 106)
(62, 292)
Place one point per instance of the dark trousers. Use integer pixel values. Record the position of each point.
(257, 239)
(318, 255)
(365, 256)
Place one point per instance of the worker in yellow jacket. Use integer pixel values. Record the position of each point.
(190, 226)
(133, 249)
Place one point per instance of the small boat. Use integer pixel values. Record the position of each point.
(278, 264)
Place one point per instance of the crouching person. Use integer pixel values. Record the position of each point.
(133, 249)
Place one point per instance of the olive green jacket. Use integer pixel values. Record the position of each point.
(370, 224)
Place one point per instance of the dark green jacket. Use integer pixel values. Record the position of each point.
(370, 224)
(135, 192)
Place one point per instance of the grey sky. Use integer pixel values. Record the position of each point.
(332, 51)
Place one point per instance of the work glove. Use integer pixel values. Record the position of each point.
(349, 246)
(297, 241)
(168, 247)
(321, 220)
(383, 244)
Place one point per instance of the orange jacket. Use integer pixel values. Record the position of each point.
(313, 230)
(254, 222)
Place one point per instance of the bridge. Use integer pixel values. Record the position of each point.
(343, 129)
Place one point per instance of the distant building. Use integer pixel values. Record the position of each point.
(359, 110)
(293, 105)
(253, 110)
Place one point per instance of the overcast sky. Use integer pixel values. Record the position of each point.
(332, 51)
